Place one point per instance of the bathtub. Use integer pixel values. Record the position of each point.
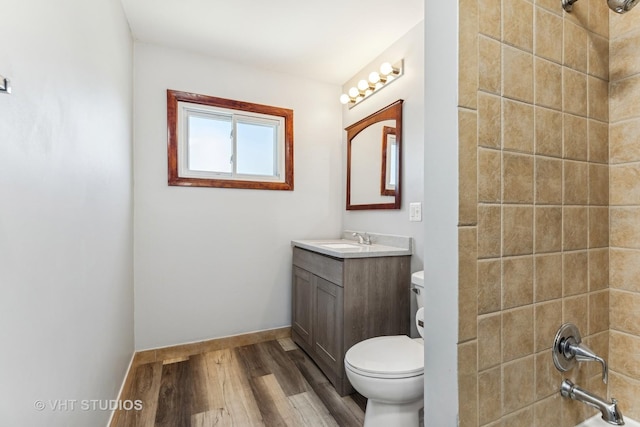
(597, 421)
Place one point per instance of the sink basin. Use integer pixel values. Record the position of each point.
(340, 246)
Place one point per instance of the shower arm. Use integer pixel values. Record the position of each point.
(567, 5)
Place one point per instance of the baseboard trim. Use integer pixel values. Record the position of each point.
(124, 391)
(189, 349)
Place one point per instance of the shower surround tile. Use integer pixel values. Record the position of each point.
(598, 226)
(575, 143)
(548, 181)
(575, 47)
(576, 183)
(623, 100)
(548, 30)
(517, 230)
(626, 316)
(543, 204)
(489, 386)
(625, 269)
(575, 272)
(548, 84)
(625, 184)
(490, 18)
(489, 59)
(548, 277)
(517, 284)
(489, 175)
(489, 286)
(625, 141)
(623, 60)
(548, 316)
(489, 114)
(548, 229)
(625, 232)
(598, 94)
(517, 384)
(517, 126)
(468, 159)
(517, 178)
(574, 85)
(489, 341)
(598, 269)
(598, 56)
(468, 54)
(548, 132)
(517, 24)
(598, 141)
(517, 74)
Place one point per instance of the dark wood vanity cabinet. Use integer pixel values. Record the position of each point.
(339, 302)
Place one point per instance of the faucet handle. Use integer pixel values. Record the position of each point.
(568, 350)
(582, 353)
(363, 240)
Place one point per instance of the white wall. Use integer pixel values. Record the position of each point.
(212, 262)
(410, 88)
(441, 215)
(66, 281)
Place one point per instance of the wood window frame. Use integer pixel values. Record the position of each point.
(174, 179)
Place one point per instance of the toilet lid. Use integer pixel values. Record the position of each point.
(387, 356)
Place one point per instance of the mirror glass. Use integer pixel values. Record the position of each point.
(373, 160)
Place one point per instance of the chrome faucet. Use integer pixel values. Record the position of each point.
(609, 410)
(363, 240)
(568, 350)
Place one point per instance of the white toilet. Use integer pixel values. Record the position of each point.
(389, 371)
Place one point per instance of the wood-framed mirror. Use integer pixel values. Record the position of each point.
(374, 148)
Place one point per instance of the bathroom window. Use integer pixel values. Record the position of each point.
(216, 142)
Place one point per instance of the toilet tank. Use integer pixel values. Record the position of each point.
(417, 285)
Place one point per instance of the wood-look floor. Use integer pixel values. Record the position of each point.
(273, 383)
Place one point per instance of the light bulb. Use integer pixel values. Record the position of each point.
(368, 92)
(379, 85)
(344, 98)
(374, 77)
(353, 92)
(363, 85)
(359, 98)
(386, 69)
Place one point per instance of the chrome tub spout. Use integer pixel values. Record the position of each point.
(609, 410)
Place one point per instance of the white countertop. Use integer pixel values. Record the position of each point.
(381, 245)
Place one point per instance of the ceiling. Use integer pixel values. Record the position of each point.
(328, 40)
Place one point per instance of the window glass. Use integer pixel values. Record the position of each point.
(210, 148)
(256, 149)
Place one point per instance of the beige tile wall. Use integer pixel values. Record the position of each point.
(534, 205)
(624, 351)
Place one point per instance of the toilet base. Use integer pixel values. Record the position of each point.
(379, 414)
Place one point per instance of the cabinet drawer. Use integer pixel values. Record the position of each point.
(322, 266)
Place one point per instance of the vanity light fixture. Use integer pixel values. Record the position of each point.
(376, 81)
(5, 86)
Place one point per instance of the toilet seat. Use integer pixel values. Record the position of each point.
(390, 357)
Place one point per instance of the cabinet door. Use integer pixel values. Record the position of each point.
(302, 310)
(328, 323)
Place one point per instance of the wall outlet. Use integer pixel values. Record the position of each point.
(415, 211)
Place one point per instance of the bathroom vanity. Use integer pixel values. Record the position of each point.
(345, 292)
